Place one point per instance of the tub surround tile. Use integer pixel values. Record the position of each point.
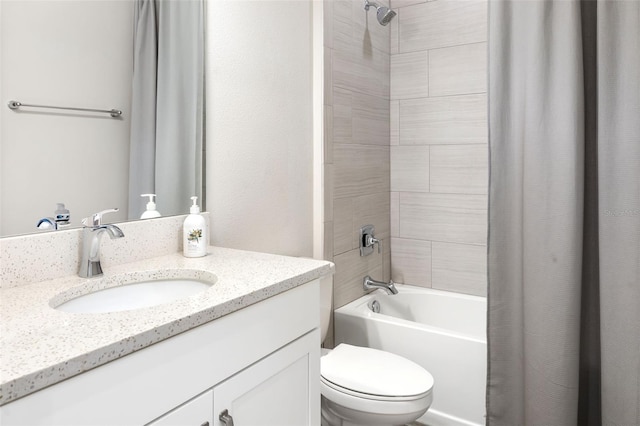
(438, 210)
(342, 116)
(328, 135)
(395, 214)
(328, 82)
(370, 120)
(444, 120)
(40, 346)
(452, 217)
(462, 169)
(352, 289)
(328, 192)
(355, 27)
(342, 31)
(360, 119)
(394, 130)
(367, 32)
(409, 75)
(353, 213)
(394, 28)
(360, 170)
(328, 242)
(371, 210)
(362, 71)
(443, 23)
(410, 168)
(397, 4)
(342, 225)
(351, 269)
(411, 261)
(360, 64)
(329, 340)
(452, 274)
(458, 70)
(386, 262)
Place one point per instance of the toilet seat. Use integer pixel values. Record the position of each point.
(374, 381)
(333, 387)
(374, 374)
(373, 406)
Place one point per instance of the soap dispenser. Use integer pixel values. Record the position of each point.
(194, 241)
(62, 216)
(151, 211)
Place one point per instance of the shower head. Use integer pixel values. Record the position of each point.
(384, 14)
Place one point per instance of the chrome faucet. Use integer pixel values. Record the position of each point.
(91, 236)
(371, 284)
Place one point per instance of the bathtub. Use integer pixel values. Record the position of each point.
(442, 331)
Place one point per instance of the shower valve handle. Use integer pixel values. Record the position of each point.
(367, 240)
(371, 240)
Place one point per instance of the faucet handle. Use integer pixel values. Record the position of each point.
(371, 240)
(96, 218)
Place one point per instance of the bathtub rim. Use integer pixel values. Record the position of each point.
(359, 308)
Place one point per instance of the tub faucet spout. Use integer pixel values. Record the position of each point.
(371, 284)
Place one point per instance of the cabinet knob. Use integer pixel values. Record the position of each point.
(226, 418)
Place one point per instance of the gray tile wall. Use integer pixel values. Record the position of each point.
(438, 138)
(357, 128)
(406, 144)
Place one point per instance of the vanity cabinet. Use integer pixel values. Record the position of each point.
(274, 391)
(261, 364)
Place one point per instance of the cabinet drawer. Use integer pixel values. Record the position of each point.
(197, 412)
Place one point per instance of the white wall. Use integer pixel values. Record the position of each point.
(69, 53)
(260, 125)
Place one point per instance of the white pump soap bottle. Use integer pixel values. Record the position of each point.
(194, 241)
(151, 211)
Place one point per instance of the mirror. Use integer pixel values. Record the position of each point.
(95, 54)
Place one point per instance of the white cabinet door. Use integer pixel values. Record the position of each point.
(196, 412)
(279, 390)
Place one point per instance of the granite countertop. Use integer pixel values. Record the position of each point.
(41, 346)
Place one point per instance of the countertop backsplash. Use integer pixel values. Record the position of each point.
(44, 256)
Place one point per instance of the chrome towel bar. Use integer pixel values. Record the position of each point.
(115, 113)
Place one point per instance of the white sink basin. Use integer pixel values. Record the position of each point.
(130, 295)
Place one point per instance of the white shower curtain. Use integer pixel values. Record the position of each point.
(564, 239)
(167, 141)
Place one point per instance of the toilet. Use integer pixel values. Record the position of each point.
(368, 387)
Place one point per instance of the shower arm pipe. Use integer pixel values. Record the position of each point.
(368, 4)
(383, 13)
(115, 113)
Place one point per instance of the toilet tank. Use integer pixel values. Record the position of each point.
(326, 303)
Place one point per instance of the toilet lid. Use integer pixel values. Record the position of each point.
(374, 372)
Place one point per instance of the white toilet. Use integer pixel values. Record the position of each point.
(368, 387)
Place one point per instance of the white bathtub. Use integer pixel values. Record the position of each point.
(442, 331)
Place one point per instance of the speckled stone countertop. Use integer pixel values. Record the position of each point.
(41, 346)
